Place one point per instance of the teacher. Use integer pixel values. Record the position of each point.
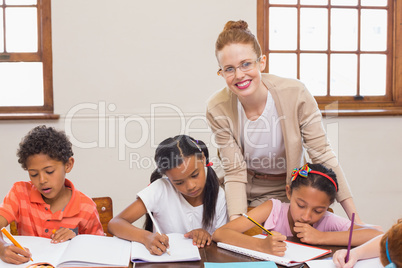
(262, 125)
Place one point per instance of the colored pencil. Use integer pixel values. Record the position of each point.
(12, 239)
(256, 223)
(350, 238)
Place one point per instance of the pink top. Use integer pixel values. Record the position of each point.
(278, 220)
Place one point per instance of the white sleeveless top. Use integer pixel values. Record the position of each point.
(262, 139)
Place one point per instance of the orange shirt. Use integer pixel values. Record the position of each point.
(25, 205)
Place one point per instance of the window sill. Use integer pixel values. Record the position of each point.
(29, 116)
(388, 111)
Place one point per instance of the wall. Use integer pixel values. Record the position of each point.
(129, 74)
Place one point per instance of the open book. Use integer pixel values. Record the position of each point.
(181, 249)
(82, 250)
(294, 255)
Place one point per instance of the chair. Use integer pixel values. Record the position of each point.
(104, 206)
(13, 228)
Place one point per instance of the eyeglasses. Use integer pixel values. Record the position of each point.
(244, 67)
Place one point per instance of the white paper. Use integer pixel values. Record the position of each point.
(101, 250)
(371, 263)
(181, 249)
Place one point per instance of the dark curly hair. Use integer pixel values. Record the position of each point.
(45, 140)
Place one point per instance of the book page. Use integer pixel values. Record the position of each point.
(252, 264)
(96, 250)
(256, 254)
(181, 249)
(42, 250)
(294, 254)
(82, 250)
(301, 253)
(328, 263)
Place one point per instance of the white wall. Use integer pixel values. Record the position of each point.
(128, 74)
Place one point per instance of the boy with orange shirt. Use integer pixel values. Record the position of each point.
(48, 205)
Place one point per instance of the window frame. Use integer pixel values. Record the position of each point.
(44, 55)
(391, 104)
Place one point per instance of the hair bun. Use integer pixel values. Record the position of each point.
(240, 24)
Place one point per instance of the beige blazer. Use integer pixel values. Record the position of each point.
(302, 129)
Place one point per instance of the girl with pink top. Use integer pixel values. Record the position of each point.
(312, 190)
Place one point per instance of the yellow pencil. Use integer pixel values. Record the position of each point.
(12, 239)
(256, 223)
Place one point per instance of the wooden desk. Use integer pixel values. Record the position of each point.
(214, 254)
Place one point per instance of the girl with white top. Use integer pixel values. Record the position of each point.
(184, 197)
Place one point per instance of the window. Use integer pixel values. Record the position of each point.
(26, 89)
(345, 51)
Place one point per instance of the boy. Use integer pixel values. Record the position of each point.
(49, 205)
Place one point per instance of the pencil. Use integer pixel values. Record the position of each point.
(350, 238)
(12, 239)
(156, 227)
(256, 223)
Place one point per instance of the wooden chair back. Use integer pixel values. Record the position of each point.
(13, 228)
(104, 205)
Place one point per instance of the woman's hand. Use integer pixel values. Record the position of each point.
(200, 237)
(307, 233)
(156, 243)
(62, 235)
(12, 254)
(339, 259)
(273, 244)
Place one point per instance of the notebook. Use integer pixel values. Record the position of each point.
(82, 250)
(181, 249)
(252, 264)
(372, 263)
(295, 253)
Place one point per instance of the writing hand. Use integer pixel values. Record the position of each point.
(156, 243)
(12, 254)
(339, 259)
(273, 244)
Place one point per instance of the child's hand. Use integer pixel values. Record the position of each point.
(200, 237)
(273, 244)
(157, 244)
(12, 254)
(339, 259)
(61, 235)
(307, 233)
